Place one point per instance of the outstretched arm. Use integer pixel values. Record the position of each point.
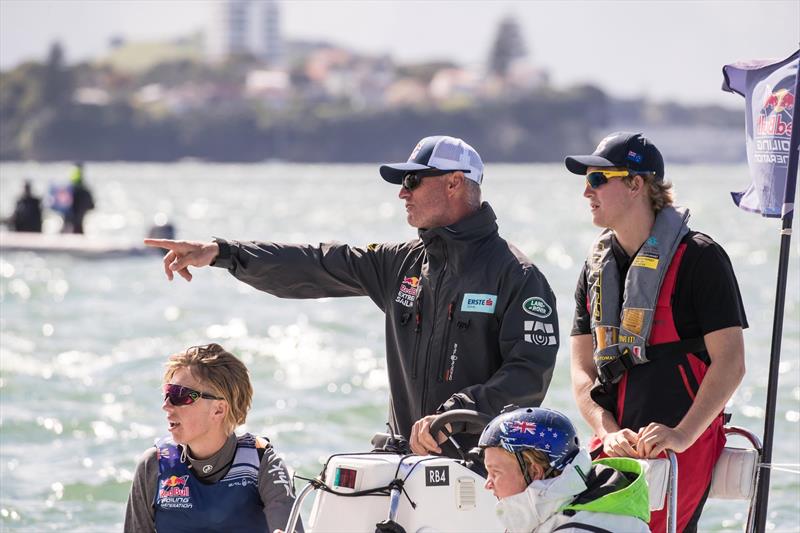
(183, 254)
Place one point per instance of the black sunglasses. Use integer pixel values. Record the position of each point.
(412, 180)
(180, 395)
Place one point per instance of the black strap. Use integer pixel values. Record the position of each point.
(584, 527)
(612, 371)
(695, 346)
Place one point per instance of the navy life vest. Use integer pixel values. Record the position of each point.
(184, 503)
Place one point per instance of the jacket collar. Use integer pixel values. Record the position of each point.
(454, 239)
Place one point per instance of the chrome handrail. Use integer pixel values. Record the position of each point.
(672, 493)
(757, 446)
(294, 515)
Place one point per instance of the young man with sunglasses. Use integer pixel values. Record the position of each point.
(656, 346)
(470, 321)
(187, 482)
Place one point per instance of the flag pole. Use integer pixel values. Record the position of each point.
(787, 212)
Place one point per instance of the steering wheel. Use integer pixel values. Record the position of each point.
(473, 422)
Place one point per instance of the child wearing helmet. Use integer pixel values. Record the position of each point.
(545, 481)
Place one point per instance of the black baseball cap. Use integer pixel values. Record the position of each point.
(621, 149)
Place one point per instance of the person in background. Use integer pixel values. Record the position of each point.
(544, 481)
(82, 201)
(202, 476)
(657, 345)
(471, 323)
(27, 214)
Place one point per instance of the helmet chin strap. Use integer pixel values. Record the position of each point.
(525, 473)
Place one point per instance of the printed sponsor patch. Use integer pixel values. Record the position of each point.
(478, 303)
(633, 320)
(646, 262)
(539, 333)
(279, 478)
(407, 292)
(448, 374)
(174, 493)
(597, 297)
(537, 307)
(437, 476)
(637, 353)
(597, 256)
(605, 336)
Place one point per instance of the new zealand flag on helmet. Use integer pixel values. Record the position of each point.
(769, 89)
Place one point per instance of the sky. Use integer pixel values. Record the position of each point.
(662, 50)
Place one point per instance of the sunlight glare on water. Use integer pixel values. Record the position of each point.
(84, 341)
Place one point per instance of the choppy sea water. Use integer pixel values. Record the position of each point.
(82, 341)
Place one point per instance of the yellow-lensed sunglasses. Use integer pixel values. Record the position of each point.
(597, 178)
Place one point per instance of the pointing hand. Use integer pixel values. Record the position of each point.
(183, 254)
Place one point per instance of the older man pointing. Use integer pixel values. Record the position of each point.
(470, 321)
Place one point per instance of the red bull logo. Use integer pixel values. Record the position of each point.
(408, 291)
(779, 101)
(174, 481)
(409, 285)
(174, 486)
(771, 119)
(412, 281)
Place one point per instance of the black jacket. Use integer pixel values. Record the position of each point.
(458, 334)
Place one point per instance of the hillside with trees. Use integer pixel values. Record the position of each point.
(326, 104)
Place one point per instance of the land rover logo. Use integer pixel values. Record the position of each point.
(537, 307)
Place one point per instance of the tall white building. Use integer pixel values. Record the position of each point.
(269, 43)
(246, 27)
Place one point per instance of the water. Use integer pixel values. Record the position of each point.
(83, 341)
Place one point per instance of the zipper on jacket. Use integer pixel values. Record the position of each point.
(428, 349)
(417, 330)
(443, 365)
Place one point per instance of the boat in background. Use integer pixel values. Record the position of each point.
(78, 245)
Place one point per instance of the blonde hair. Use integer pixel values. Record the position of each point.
(222, 372)
(539, 458)
(659, 191)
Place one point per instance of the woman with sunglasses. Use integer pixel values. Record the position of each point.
(657, 345)
(202, 476)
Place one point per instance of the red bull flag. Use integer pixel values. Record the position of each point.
(769, 89)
